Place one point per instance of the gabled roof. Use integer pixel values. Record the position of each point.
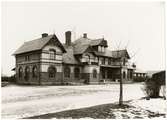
(37, 44)
(82, 44)
(87, 41)
(108, 53)
(69, 57)
(120, 53)
(79, 49)
(81, 41)
(100, 41)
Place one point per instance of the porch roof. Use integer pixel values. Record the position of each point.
(110, 66)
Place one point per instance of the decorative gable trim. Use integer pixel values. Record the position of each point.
(54, 40)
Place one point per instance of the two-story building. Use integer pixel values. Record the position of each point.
(46, 61)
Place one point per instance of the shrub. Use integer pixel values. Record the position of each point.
(8, 79)
(151, 88)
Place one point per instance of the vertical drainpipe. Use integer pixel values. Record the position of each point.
(62, 81)
(40, 68)
(16, 70)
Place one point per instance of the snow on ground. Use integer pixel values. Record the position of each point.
(157, 105)
(26, 101)
(143, 108)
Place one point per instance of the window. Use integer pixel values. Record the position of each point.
(76, 72)
(52, 72)
(20, 72)
(94, 73)
(131, 74)
(27, 58)
(67, 72)
(96, 59)
(34, 71)
(52, 54)
(87, 58)
(99, 48)
(124, 75)
(27, 73)
(109, 61)
(102, 48)
(103, 61)
(124, 61)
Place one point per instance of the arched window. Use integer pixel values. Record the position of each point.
(52, 54)
(124, 74)
(27, 73)
(94, 73)
(34, 71)
(20, 72)
(67, 72)
(52, 72)
(76, 72)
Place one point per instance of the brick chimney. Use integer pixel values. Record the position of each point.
(68, 38)
(85, 35)
(44, 35)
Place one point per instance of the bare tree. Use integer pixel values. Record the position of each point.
(121, 85)
(119, 56)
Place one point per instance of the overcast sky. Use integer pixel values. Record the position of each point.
(137, 25)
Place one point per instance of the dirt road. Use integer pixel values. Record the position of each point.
(26, 101)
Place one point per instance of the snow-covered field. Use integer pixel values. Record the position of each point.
(26, 101)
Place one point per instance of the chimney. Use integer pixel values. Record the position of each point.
(85, 35)
(44, 35)
(68, 38)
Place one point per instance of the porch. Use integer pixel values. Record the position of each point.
(109, 74)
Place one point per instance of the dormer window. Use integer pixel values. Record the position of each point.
(52, 54)
(99, 48)
(102, 49)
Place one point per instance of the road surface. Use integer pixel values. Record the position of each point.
(27, 101)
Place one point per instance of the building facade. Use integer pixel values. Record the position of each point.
(47, 61)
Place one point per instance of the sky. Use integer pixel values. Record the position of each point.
(137, 26)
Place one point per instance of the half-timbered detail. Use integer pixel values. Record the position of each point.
(47, 61)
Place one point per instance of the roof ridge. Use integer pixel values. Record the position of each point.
(80, 38)
(38, 38)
